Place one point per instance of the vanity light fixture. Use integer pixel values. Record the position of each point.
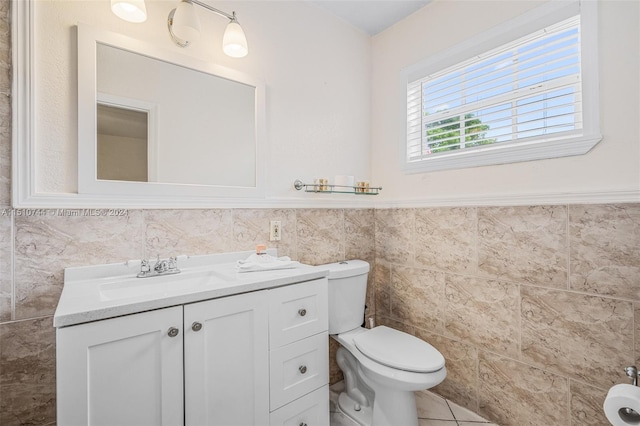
(184, 28)
(130, 10)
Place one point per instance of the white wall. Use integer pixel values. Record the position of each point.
(316, 68)
(611, 171)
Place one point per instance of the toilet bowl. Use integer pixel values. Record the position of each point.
(382, 367)
(387, 396)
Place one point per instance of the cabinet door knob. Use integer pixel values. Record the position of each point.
(196, 326)
(302, 312)
(173, 332)
(302, 424)
(303, 369)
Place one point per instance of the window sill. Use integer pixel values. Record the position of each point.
(494, 155)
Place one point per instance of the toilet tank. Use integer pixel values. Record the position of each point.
(347, 294)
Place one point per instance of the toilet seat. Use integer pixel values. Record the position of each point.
(400, 350)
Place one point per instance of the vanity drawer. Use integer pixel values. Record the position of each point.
(296, 312)
(311, 410)
(298, 369)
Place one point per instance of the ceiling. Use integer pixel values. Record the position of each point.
(371, 16)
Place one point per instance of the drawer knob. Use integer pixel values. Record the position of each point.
(303, 369)
(173, 332)
(302, 312)
(302, 424)
(196, 326)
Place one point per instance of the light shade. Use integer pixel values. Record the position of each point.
(130, 10)
(186, 24)
(234, 42)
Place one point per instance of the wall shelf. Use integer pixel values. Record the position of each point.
(336, 189)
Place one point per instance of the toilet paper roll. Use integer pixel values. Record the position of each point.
(344, 180)
(622, 405)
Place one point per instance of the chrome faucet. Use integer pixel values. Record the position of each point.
(162, 267)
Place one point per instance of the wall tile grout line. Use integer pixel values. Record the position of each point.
(520, 361)
(476, 390)
(12, 273)
(568, 242)
(528, 284)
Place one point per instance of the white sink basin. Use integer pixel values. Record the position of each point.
(166, 285)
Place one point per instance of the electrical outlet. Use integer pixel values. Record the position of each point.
(275, 231)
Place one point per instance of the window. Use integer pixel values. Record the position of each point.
(528, 98)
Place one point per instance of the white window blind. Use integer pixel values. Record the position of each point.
(526, 91)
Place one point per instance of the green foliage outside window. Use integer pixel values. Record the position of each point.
(445, 135)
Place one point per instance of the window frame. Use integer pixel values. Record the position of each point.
(521, 26)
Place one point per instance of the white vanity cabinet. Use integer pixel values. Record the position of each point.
(255, 358)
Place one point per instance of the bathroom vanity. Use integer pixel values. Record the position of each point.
(207, 346)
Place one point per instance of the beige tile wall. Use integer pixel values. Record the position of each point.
(532, 307)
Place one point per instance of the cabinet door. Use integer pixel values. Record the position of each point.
(121, 371)
(227, 361)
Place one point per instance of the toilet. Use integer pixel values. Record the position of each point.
(382, 367)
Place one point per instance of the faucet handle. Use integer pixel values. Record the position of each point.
(173, 262)
(145, 269)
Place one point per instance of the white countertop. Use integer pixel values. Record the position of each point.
(98, 292)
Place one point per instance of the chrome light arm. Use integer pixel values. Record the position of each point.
(232, 17)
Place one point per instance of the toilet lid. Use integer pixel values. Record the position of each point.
(399, 350)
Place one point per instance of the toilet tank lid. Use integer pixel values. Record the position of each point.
(347, 268)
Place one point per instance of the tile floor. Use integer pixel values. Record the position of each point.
(433, 410)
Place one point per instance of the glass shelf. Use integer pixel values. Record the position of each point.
(336, 189)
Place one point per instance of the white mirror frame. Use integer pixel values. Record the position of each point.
(107, 193)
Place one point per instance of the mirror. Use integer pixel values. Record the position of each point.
(154, 122)
(201, 125)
